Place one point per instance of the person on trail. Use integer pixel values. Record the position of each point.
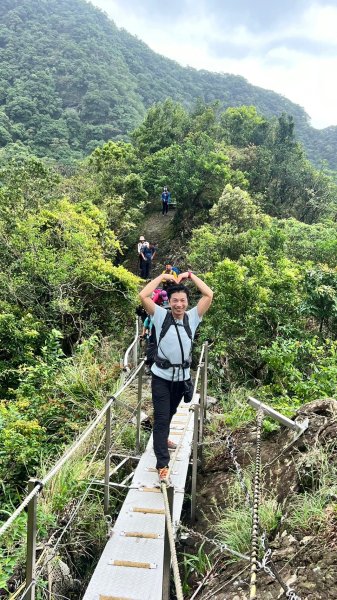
(160, 297)
(165, 198)
(147, 327)
(171, 379)
(139, 245)
(146, 254)
(141, 312)
(169, 271)
(145, 340)
(153, 249)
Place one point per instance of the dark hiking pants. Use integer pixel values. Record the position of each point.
(146, 268)
(166, 396)
(165, 208)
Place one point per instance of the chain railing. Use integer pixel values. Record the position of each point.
(256, 503)
(266, 564)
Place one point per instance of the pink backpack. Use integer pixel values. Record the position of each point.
(159, 296)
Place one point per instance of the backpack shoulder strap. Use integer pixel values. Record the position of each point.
(168, 321)
(187, 326)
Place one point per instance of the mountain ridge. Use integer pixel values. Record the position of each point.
(71, 80)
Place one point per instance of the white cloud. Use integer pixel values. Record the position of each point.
(301, 76)
(319, 23)
(302, 79)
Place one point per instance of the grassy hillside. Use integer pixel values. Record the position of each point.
(70, 80)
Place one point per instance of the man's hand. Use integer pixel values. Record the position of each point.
(207, 294)
(145, 294)
(169, 277)
(182, 276)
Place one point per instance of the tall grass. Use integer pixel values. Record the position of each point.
(316, 471)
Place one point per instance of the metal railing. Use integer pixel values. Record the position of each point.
(35, 485)
(299, 428)
(133, 351)
(199, 417)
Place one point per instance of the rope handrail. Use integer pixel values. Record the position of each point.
(175, 454)
(76, 509)
(168, 518)
(55, 469)
(20, 508)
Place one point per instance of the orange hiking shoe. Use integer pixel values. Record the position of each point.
(163, 475)
(171, 445)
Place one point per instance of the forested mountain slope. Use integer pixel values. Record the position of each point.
(256, 220)
(70, 80)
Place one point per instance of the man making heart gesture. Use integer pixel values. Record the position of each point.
(175, 330)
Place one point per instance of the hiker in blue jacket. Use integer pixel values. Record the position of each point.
(165, 198)
(175, 330)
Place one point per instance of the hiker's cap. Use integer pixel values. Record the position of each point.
(142, 238)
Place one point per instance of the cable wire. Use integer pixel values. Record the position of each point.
(85, 493)
(220, 545)
(68, 454)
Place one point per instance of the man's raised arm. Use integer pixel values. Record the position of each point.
(145, 294)
(207, 294)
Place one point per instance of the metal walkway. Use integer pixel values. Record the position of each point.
(132, 563)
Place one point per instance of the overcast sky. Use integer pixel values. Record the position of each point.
(289, 46)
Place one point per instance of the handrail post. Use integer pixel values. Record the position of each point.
(167, 550)
(135, 346)
(271, 412)
(202, 404)
(31, 541)
(139, 408)
(205, 378)
(107, 460)
(196, 409)
(122, 372)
